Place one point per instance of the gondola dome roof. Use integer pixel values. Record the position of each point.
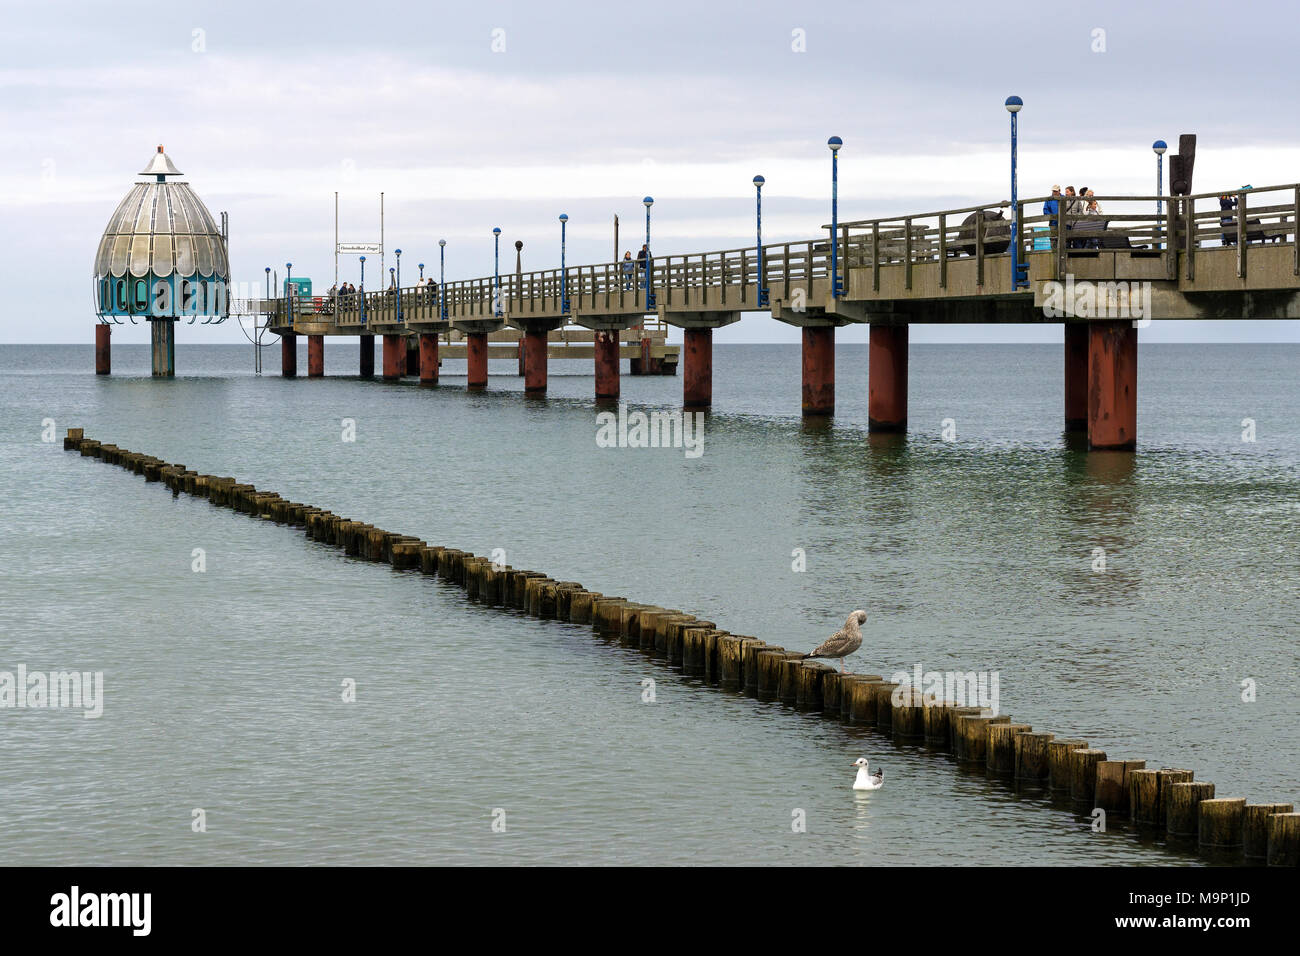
(162, 228)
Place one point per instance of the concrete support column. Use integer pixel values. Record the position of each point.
(315, 356)
(103, 349)
(1076, 376)
(412, 357)
(476, 351)
(289, 355)
(394, 357)
(428, 358)
(1112, 386)
(163, 335)
(819, 370)
(887, 379)
(606, 364)
(519, 354)
(367, 369)
(534, 344)
(697, 372)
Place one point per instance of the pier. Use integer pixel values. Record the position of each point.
(1103, 277)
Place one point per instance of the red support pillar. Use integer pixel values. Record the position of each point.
(535, 345)
(367, 356)
(607, 364)
(1076, 376)
(315, 356)
(1112, 386)
(289, 355)
(887, 379)
(103, 349)
(819, 370)
(697, 372)
(394, 356)
(519, 354)
(428, 358)
(476, 349)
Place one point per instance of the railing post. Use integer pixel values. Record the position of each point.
(1241, 234)
(808, 267)
(943, 251)
(1171, 238)
(875, 256)
(1060, 239)
(907, 248)
(1295, 233)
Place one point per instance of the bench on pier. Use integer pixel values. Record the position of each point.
(1097, 234)
(1256, 231)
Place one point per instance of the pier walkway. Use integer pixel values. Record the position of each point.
(1103, 276)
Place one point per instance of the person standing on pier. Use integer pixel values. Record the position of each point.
(1050, 207)
(628, 268)
(1073, 207)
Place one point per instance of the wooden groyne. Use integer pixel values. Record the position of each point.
(1166, 800)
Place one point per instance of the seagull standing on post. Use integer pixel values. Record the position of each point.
(844, 641)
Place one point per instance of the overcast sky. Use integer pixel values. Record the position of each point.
(470, 116)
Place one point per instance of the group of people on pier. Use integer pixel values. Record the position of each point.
(1081, 203)
(631, 267)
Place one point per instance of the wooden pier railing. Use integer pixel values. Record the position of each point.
(868, 250)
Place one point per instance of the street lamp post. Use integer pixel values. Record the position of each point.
(649, 296)
(496, 270)
(288, 294)
(442, 279)
(1014, 104)
(362, 290)
(834, 143)
(399, 285)
(1159, 147)
(564, 275)
(758, 222)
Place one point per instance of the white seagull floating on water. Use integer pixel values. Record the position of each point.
(867, 781)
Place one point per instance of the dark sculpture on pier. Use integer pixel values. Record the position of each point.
(997, 233)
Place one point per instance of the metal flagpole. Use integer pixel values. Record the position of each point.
(336, 240)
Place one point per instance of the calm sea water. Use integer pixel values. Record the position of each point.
(222, 688)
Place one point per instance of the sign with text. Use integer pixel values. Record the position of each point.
(360, 247)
